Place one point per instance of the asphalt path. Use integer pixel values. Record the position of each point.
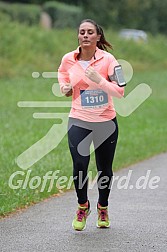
(137, 209)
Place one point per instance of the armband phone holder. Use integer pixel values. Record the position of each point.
(118, 76)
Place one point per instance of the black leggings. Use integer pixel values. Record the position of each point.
(104, 136)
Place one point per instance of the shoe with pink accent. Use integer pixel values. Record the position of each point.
(103, 219)
(79, 222)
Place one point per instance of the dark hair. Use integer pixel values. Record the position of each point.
(102, 44)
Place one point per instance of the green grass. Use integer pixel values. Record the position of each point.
(24, 50)
(143, 133)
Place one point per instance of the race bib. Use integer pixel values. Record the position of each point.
(93, 98)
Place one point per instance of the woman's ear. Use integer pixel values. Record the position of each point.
(98, 37)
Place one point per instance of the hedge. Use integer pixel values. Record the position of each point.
(23, 13)
(63, 15)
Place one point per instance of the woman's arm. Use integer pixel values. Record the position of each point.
(63, 78)
(111, 88)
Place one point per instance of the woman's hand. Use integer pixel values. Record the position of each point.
(93, 75)
(67, 90)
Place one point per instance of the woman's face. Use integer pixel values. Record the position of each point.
(87, 35)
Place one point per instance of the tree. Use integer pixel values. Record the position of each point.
(149, 15)
(74, 2)
(100, 11)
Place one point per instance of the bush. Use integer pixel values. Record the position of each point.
(4, 17)
(63, 15)
(23, 13)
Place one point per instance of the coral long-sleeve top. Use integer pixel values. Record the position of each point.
(91, 102)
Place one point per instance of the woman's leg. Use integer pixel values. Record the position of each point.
(104, 155)
(80, 162)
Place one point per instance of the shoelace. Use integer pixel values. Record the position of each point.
(80, 214)
(103, 214)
